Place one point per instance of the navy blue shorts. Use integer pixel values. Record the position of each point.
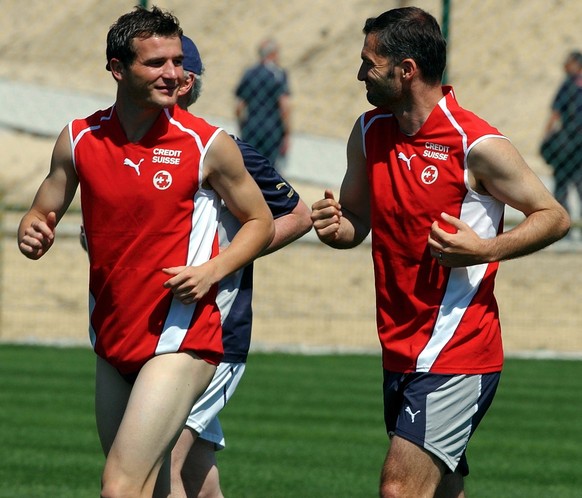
(438, 412)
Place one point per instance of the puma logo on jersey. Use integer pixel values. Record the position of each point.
(406, 159)
(131, 164)
(412, 415)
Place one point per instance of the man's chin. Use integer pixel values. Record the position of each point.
(376, 101)
(372, 98)
(165, 101)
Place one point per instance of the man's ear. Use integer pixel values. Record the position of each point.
(116, 67)
(408, 68)
(189, 79)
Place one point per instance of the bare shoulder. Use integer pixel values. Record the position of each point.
(497, 168)
(495, 159)
(223, 157)
(62, 146)
(494, 155)
(62, 156)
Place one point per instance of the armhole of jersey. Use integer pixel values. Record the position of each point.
(472, 192)
(72, 144)
(363, 133)
(203, 155)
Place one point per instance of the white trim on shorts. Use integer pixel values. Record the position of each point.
(203, 418)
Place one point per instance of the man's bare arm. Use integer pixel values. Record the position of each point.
(346, 223)
(37, 228)
(290, 227)
(496, 168)
(225, 172)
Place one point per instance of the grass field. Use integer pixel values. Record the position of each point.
(308, 426)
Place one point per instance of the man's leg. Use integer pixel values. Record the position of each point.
(194, 469)
(200, 471)
(158, 405)
(431, 418)
(179, 458)
(410, 471)
(451, 486)
(111, 394)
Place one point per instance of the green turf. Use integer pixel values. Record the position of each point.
(298, 426)
(305, 426)
(49, 445)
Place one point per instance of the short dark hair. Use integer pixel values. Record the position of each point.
(413, 33)
(140, 23)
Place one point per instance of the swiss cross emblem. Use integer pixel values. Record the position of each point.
(162, 180)
(429, 174)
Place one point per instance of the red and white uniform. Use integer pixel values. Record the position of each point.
(144, 209)
(430, 318)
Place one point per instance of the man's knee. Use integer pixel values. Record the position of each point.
(407, 485)
(115, 484)
(392, 489)
(121, 478)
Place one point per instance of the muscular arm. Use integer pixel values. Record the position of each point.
(506, 176)
(228, 176)
(225, 172)
(498, 169)
(36, 231)
(346, 223)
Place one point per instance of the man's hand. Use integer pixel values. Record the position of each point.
(455, 244)
(189, 283)
(326, 216)
(38, 237)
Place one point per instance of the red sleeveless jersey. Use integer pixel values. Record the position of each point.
(144, 209)
(430, 318)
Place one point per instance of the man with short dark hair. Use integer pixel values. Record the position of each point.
(431, 181)
(152, 177)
